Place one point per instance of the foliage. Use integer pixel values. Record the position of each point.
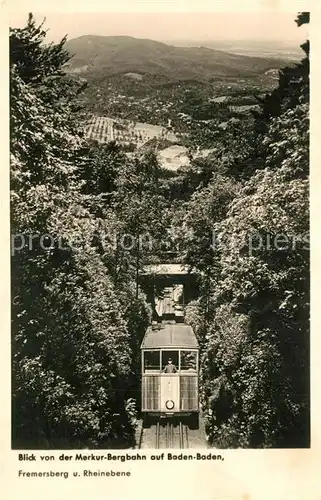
(139, 200)
(270, 286)
(255, 299)
(75, 330)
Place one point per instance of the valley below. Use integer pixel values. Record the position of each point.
(147, 95)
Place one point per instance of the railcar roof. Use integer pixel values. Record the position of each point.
(170, 335)
(166, 269)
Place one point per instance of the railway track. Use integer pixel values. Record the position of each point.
(171, 435)
(164, 434)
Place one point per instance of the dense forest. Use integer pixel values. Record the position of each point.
(239, 219)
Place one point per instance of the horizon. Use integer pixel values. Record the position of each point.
(187, 28)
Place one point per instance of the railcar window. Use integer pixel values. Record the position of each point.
(151, 361)
(170, 361)
(188, 360)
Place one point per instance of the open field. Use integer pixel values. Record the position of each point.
(104, 129)
(99, 128)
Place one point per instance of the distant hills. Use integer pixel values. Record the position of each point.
(282, 49)
(115, 55)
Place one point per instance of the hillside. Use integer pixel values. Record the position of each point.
(106, 56)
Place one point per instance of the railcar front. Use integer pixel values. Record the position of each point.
(170, 359)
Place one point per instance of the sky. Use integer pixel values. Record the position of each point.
(172, 26)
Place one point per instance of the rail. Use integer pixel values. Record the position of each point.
(171, 435)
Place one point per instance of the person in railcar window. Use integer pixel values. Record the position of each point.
(170, 368)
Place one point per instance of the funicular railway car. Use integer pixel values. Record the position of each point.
(170, 359)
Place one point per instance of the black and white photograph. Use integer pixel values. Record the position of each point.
(160, 240)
